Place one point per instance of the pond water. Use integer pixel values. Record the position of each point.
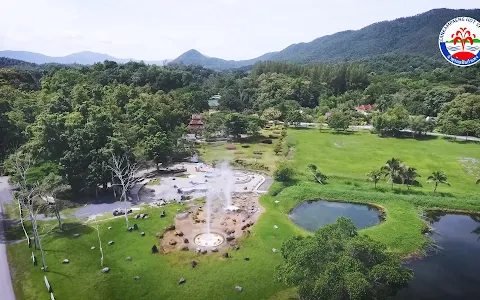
(453, 271)
(312, 215)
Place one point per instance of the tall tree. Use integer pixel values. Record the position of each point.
(375, 176)
(438, 177)
(391, 169)
(410, 176)
(123, 176)
(338, 263)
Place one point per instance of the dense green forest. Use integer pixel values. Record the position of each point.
(72, 119)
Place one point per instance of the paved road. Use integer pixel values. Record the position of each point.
(6, 288)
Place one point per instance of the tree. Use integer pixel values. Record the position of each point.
(317, 175)
(409, 176)
(438, 177)
(284, 172)
(271, 114)
(26, 197)
(236, 124)
(392, 169)
(419, 125)
(48, 189)
(461, 116)
(339, 120)
(123, 176)
(338, 263)
(375, 176)
(254, 124)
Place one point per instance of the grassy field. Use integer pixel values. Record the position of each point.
(218, 151)
(344, 158)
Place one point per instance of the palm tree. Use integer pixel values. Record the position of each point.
(409, 176)
(438, 177)
(392, 169)
(375, 176)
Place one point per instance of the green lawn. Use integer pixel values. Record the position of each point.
(218, 151)
(344, 158)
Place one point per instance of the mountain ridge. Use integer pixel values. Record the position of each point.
(384, 37)
(83, 58)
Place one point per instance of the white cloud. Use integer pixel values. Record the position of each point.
(154, 30)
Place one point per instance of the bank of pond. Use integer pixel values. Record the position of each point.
(450, 269)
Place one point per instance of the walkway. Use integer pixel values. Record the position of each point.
(6, 287)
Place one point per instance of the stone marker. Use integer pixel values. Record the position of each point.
(47, 284)
(65, 261)
(274, 250)
(276, 201)
(111, 243)
(135, 227)
(162, 215)
(194, 264)
(92, 248)
(76, 235)
(275, 226)
(109, 227)
(136, 277)
(145, 216)
(142, 233)
(130, 229)
(154, 249)
(106, 270)
(247, 258)
(238, 288)
(141, 216)
(137, 216)
(128, 258)
(181, 281)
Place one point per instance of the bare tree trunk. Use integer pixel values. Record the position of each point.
(435, 189)
(37, 240)
(100, 245)
(59, 218)
(23, 224)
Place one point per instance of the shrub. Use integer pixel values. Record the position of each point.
(245, 146)
(278, 148)
(231, 147)
(267, 142)
(258, 152)
(284, 172)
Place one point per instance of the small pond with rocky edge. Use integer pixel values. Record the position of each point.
(314, 214)
(451, 271)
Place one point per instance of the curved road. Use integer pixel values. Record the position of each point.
(6, 288)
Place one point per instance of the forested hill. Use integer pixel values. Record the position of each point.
(411, 35)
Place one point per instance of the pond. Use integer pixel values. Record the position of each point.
(312, 215)
(452, 272)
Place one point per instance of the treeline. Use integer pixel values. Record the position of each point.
(82, 116)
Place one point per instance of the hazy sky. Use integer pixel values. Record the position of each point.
(163, 29)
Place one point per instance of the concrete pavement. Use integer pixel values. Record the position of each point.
(6, 288)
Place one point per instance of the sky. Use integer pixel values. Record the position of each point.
(164, 29)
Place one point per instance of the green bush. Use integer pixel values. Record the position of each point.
(284, 172)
